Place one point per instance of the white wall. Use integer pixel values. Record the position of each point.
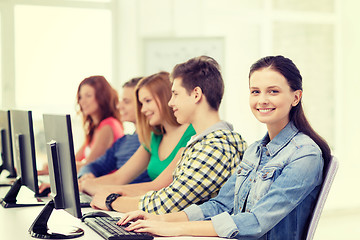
(349, 118)
(328, 61)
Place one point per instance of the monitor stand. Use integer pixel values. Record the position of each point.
(39, 228)
(10, 199)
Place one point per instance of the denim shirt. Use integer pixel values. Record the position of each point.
(115, 157)
(272, 193)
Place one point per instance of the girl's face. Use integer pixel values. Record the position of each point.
(271, 98)
(87, 100)
(149, 107)
(127, 105)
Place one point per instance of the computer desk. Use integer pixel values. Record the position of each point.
(15, 222)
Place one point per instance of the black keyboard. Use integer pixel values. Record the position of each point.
(107, 228)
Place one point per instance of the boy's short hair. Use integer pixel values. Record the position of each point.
(132, 82)
(203, 72)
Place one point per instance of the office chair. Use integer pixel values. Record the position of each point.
(325, 188)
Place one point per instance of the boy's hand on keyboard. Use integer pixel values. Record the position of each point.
(137, 215)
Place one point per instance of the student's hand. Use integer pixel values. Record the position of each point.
(43, 186)
(90, 186)
(98, 200)
(86, 176)
(156, 227)
(137, 215)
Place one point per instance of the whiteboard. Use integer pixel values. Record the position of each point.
(162, 54)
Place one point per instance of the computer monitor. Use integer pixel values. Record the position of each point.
(63, 179)
(7, 162)
(24, 158)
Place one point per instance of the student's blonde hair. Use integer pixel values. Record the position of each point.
(160, 87)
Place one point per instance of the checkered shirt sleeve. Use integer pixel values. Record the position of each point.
(203, 168)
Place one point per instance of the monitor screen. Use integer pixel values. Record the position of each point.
(63, 178)
(24, 148)
(25, 163)
(7, 162)
(61, 159)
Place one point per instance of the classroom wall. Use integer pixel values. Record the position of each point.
(328, 61)
(349, 87)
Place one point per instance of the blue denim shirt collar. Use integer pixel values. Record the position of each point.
(280, 140)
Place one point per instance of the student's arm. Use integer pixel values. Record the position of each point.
(103, 139)
(163, 180)
(101, 166)
(223, 202)
(128, 203)
(203, 172)
(131, 169)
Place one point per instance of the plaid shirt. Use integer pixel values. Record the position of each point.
(204, 167)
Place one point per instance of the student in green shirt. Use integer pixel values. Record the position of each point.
(162, 140)
(156, 165)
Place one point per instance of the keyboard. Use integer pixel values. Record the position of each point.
(85, 200)
(107, 228)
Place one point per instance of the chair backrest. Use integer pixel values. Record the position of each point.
(324, 192)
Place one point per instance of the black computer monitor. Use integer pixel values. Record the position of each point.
(7, 162)
(25, 161)
(63, 179)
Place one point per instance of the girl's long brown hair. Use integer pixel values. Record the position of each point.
(107, 99)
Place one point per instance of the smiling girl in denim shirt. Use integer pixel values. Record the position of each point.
(273, 192)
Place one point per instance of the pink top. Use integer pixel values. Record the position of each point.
(115, 125)
(117, 129)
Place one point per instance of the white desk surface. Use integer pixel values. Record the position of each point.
(15, 222)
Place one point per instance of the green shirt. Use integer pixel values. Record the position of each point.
(156, 166)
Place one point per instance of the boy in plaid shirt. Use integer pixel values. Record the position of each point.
(210, 157)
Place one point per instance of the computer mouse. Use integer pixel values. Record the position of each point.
(94, 214)
(44, 193)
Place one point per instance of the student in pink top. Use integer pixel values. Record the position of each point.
(98, 103)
